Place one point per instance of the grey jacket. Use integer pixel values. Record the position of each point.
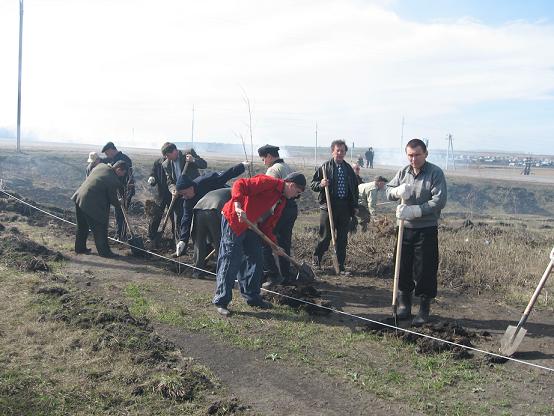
(279, 169)
(191, 169)
(429, 193)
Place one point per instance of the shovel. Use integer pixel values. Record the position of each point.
(514, 334)
(336, 265)
(159, 234)
(305, 272)
(136, 243)
(397, 268)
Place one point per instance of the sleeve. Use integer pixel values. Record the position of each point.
(438, 192)
(186, 222)
(269, 224)
(396, 181)
(258, 184)
(372, 201)
(170, 182)
(112, 194)
(230, 173)
(154, 173)
(199, 162)
(316, 179)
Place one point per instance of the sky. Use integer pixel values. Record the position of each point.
(131, 71)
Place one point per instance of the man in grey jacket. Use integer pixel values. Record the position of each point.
(421, 187)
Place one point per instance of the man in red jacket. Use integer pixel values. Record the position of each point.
(261, 200)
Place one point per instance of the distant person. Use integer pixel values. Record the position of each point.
(93, 161)
(367, 202)
(277, 168)
(369, 157)
(343, 189)
(92, 206)
(162, 197)
(179, 163)
(127, 188)
(527, 167)
(421, 187)
(261, 200)
(360, 161)
(191, 191)
(357, 169)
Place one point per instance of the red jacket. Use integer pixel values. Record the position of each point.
(257, 196)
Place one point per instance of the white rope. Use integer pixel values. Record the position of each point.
(361, 318)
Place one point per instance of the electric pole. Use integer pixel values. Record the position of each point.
(315, 152)
(192, 130)
(19, 76)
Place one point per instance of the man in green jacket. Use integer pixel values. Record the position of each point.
(92, 206)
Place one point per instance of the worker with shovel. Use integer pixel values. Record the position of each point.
(421, 187)
(342, 187)
(261, 200)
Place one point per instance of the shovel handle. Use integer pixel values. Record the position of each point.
(270, 243)
(536, 294)
(331, 223)
(126, 219)
(397, 261)
(173, 199)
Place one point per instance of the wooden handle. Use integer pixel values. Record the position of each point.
(173, 199)
(539, 288)
(397, 260)
(329, 208)
(270, 243)
(126, 220)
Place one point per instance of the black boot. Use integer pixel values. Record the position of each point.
(424, 310)
(404, 310)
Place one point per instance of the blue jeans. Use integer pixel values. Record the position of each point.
(240, 256)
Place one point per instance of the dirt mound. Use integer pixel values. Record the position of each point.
(25, 254)
(445, 330)
(294, 297)
(33, 216)
(226, 407)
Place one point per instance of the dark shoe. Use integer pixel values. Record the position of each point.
(316, 262)
(272, 281)
(223, 311)
(262, 304)
(404, 310)
(85, 251)
(197, 274)
(424, 310)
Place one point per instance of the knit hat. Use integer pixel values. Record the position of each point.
(184, 182)
(297, 178)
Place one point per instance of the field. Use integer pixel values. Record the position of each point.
(86, 335)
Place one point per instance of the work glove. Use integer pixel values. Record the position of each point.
(403, 191)
(246, 164)
(181, 248)
(408, 212)
(151, 181)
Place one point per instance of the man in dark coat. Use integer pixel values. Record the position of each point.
(179, 163)
(162, 199)
(92, 206)
(127, 185)
(343, 189)
(369, 157)
(193, 190)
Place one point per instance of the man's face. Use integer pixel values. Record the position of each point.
(292, 190)
(172, 155)
(339, 151)
(187, 193)
(380, 184)
(120, 172)
(416, 156)
(268, 160)
(110, 153)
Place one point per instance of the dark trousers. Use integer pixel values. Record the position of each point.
(363, 216)
(283, 233)
(156, 218)
(177, 216)
(240, 257)
(420, 261)
(341, 218)
(99, 231)
(206, 229)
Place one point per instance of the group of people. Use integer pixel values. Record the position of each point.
(213, 214)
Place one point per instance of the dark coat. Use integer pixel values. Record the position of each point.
(351, 184)
(127, 182)
(160, 178)
(202, 185)
(97, 192)
(190, 169)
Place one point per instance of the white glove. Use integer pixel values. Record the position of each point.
(151, 180)
(246, 163)
(408, 212)
(180, 248)
(403, 191)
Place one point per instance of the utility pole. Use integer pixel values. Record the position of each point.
(315, 152)
(192, 130)
(450, 152)
(19, 76)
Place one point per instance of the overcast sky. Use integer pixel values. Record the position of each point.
(131, 71)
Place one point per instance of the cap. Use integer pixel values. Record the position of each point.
(184, 182)
(107, 146)
(92, 157)
(297, 178)
(268, 149)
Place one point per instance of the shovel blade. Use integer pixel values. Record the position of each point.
(305, 274)
(137, 246)
(510, 340)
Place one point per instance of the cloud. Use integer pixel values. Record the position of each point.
(94, 70)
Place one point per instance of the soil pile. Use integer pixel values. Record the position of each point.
(296, 297)
(32, 216)
(23, 253)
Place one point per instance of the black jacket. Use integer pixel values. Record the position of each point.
(158, 174)
(190, 169)
(128, 181)
(351, 184)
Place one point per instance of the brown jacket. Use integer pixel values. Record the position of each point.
(97, 192)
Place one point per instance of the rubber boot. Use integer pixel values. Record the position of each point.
(404, 310)
(424, 310)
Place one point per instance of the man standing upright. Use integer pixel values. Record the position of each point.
(179, 163)
(127, 188)
(343, 190)
(92, 206)
(369, 157)
(421, 187)
(277, 168)
(162, 199)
